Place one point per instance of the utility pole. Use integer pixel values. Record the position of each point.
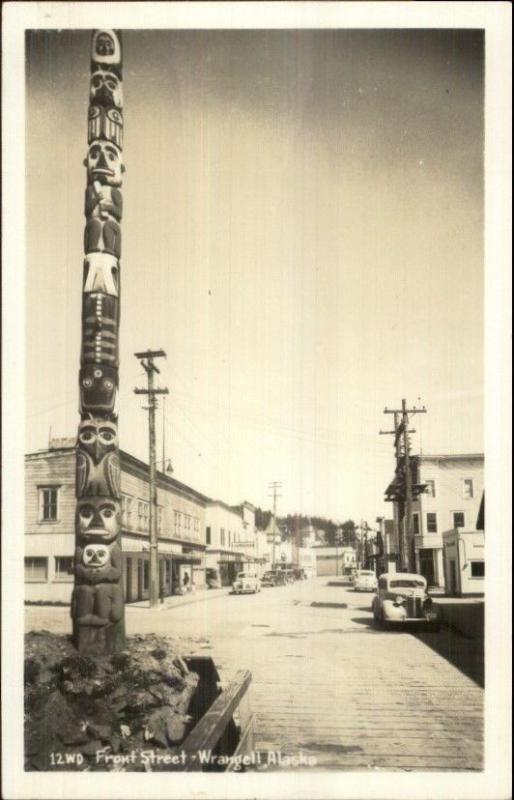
(404, 495)
(148, 365)
(275, 486)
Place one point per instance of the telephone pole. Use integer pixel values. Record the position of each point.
(275, 486)
(404, 494)
(147, 362)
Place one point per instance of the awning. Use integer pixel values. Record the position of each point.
(186, 558)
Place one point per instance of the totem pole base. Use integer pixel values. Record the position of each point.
(99, 640)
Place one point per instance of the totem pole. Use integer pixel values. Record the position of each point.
(97, 606)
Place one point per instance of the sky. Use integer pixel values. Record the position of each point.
(302, 235)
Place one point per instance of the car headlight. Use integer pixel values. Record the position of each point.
(399, 601)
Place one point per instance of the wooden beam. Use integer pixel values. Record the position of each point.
(207, 732)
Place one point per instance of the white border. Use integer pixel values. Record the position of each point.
(494, 782)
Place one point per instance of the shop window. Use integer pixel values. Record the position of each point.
(432, 523)
(63, 568)
(222, 537)
(208, 535)
(36, 569)
(478, 569)
(48, 503)
(458, 519)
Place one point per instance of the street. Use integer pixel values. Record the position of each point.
(326, 682)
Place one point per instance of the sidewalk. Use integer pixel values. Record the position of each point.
(465, 614)
(181, 600)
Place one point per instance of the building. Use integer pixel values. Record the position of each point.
(334, 560)
(50, 527)
(447, 498)
(253, 543)
(464, 562)
(229, 538)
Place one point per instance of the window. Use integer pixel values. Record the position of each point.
(432, 523)
(467, 488)
(458, 519)
(228, 538)
(415, 523)
(63, 568)
(208, 535)
(127, 511)
(140, 518)
(48, 503)
(222, 537)
(430, 490)
(478, 569)
(159, 519)
(36, 569)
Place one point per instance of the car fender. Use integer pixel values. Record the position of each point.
(392, 611)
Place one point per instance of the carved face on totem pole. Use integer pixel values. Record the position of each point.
(101, 274)
(104, 163)
(98, 519)
(105, 47)
(105, 123)
(98, 562)
(98, 465)
(98, 385)
(105, 89)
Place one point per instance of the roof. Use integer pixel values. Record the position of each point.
(407, 575)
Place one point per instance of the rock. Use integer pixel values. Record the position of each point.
(91, 748)
(103, 732)
(176, 727)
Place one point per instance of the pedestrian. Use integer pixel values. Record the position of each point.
(185, 582)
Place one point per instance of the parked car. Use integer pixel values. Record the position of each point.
(212, 577)
(246, 583)
(365, 580)
(274, 577)
(268, 579)
(403, 597)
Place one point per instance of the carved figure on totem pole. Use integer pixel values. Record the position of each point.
(101, 274)
(102, 236)
(105, 48)
(98, 390)
(97, 606)
(104, 163)
(105, 123)
(100, 320)
(106, 89)
(103, 202)
(98, 464)
(98, 519)
(98, 563)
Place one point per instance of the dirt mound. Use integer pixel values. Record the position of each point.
(99, 714)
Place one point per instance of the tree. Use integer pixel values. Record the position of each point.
(349, 537)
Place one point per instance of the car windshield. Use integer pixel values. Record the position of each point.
(365, 574)
(406, 584)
